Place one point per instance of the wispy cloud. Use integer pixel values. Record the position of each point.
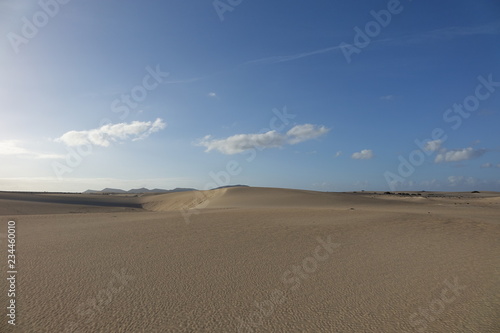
(447, 33)
(14, 148)
(387, 97)
(104, 135)
(284, 58)
(456, 155)
(272, 139)
(492, 28)
(337, 154)
(365, 154)
(490, 165)
(194, 79)
(452, 183)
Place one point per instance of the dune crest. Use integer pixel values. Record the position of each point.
(180, 200)
(241, 197)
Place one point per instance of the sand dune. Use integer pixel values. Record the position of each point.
(255, 260)
(253, 197)
(18, 203)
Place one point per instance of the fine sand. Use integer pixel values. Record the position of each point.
(253, 260)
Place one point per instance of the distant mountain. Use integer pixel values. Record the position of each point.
(138, 190)
(91, 192)
(113, 190)
(156, 190)
(180, 189)
(231, 186)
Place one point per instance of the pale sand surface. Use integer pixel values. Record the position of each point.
(205, 269)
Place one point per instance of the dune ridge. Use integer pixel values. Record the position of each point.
(235, 197)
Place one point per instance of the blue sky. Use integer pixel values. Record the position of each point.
(323, 95)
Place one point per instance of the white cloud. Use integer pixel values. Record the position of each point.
(212, 94)
(387, 98)
(305, 132)
(13, 147)
(433, 145)
(271, 139)
(241, 142)
(337, 154)
(365, 154)
(461, 180)
(104, 135)
(490, 165)
(459, 155)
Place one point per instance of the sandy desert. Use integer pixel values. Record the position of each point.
(254, 260)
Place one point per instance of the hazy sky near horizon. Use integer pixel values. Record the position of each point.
(321, 95)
